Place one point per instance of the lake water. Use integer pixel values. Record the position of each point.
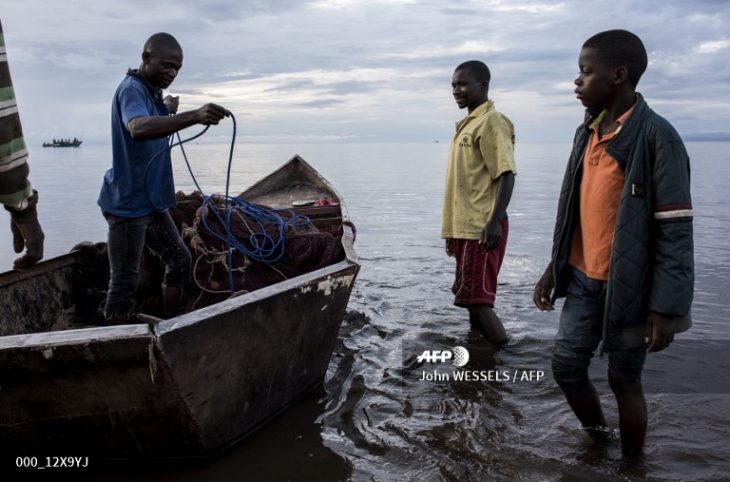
(374, 419)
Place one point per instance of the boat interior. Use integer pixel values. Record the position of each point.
(68, 291)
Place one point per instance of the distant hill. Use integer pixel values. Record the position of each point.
(707, 137)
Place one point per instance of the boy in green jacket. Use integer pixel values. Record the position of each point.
(622, 250)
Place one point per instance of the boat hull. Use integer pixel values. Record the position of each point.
(188, 386)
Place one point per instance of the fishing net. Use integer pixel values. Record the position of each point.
(304, 246)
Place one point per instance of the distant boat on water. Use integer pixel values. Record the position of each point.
(63, 143)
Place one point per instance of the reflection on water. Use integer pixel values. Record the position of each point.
(374, 419)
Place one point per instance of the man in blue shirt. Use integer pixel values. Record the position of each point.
(139, 189)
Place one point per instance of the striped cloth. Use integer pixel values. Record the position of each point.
(14, 185)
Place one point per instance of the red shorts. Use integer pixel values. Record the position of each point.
(477, 270)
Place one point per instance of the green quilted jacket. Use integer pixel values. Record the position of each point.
(652, 263)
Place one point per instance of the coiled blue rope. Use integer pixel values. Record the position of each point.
(262, 247)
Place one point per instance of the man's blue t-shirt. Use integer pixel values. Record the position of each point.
(140, 180)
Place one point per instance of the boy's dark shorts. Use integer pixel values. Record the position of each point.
(477, 269)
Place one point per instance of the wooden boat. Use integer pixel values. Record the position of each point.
(188, 386)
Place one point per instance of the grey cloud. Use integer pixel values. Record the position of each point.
(344, 88)
(320, 103)
(297, 84)
(196, 92)
(330, 88)
(235, 9)
(237, 75)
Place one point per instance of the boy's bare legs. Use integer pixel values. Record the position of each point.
(587, 407)
(483, 318)
(631, 410)
(631, 413)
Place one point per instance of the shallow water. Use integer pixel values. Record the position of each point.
(374, 419)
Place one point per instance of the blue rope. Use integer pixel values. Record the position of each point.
(262, 247)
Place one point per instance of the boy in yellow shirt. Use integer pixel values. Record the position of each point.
(479, 182)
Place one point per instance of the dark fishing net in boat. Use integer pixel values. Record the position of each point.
(306, 248)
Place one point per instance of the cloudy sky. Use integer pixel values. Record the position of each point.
(360, 70)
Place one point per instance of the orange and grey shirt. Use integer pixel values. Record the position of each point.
(481, 151)
(600, 193)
